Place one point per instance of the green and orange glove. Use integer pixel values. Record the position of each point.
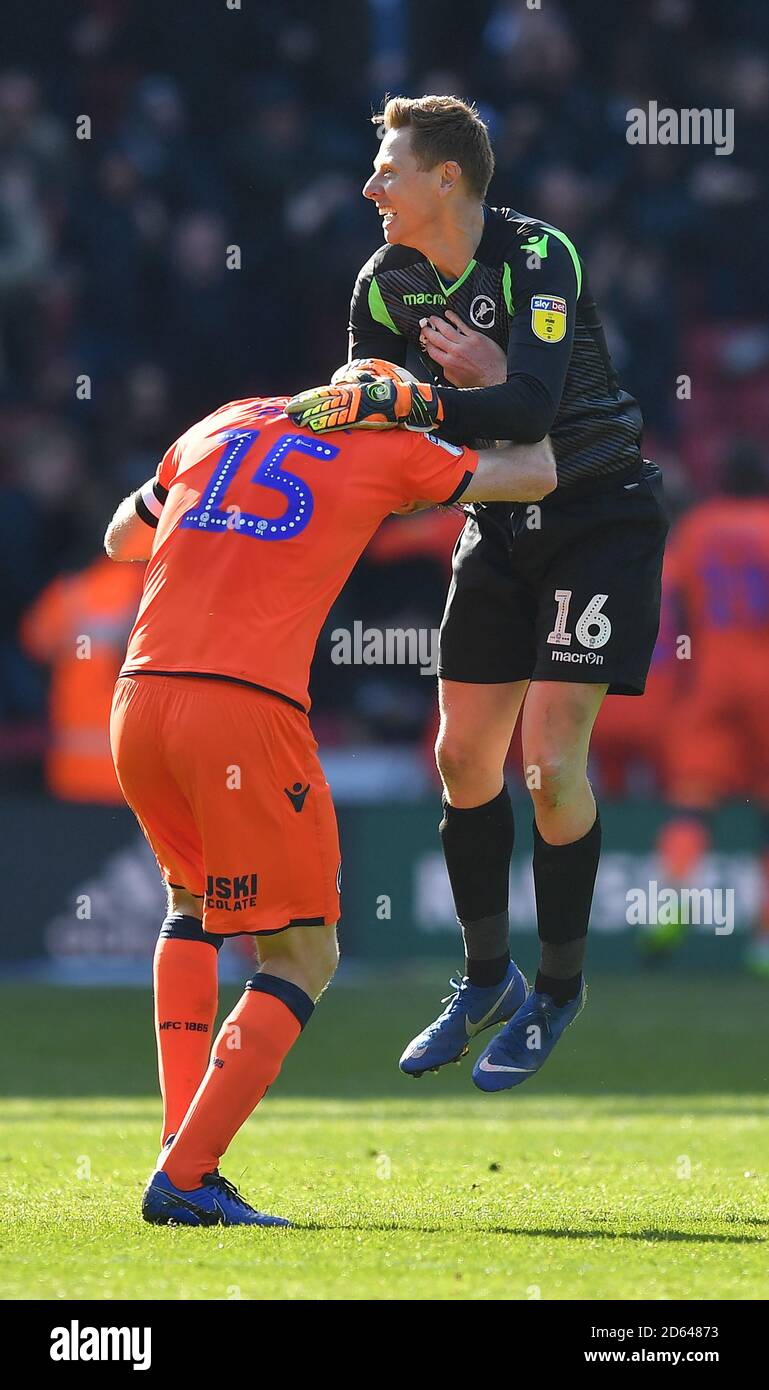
(376, 405)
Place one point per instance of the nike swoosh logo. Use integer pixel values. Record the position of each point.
(486, 1065)
(418, 1051)
(206, 1218)
(472, 1028)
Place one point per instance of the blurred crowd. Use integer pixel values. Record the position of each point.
(200, 243)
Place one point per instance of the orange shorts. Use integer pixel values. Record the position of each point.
(226, 785)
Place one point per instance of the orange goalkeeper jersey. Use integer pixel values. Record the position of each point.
(258, 526)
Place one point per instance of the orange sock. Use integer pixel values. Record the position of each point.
(682, 843)
(246, 1059)
(186, 987)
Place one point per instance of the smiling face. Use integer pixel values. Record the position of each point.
(408, 198)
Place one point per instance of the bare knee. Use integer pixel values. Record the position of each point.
(469, 772)
(325, 962)
(558, 721)
(453, 757)
(307, 956)
(552, 777)
(319, 964)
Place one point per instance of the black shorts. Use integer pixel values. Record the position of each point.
(576, 598)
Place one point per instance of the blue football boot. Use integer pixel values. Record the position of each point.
(216, 1203)
(525, 1043)
(471, 1009)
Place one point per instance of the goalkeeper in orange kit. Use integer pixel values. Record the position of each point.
(252, 525)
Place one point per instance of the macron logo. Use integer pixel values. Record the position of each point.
(76, 1343)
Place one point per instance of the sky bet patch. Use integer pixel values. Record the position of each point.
(548, 317)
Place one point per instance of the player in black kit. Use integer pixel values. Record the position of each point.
(551, 606)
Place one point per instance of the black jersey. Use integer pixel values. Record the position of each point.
(527, 288)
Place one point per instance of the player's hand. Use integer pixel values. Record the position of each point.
(375, 405)
(467, 358)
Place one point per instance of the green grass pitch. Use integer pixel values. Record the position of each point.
(635, 1167)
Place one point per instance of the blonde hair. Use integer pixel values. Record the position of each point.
(443, 128)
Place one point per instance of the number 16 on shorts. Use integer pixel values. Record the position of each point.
(592, 629)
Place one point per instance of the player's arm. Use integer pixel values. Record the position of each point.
(507, 473)
(544, 302)
(512, 473)
(523, 408)
(372, 332)
(130, 533)
(128, 536)
(436, 473)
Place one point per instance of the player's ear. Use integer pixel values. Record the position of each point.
(451, 173)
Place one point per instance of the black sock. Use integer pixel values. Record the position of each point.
(564, 879)
(477, 845)
(560, 991)
(485, 973)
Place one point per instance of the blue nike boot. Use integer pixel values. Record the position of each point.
(525, 1043)
(216, 1203)
(471, 1009)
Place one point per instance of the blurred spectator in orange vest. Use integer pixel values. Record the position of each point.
(716, 734)
(79, 626)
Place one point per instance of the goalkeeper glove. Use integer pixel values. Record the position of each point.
(376, 405)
